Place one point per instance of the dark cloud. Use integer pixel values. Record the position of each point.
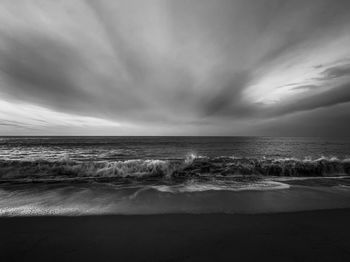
(330, 121)
(186, 63)
(228, 96)
(336, 72)
(50, 72)
(299, 86)
(291, 26)
(330, 97)
(309, 24)
(305, 87)
(43, 70)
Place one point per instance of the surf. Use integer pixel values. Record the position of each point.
(187, 168)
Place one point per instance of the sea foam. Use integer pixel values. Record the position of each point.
(190, 167)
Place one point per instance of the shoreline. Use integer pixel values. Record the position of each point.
(290, 236)
(101, 201)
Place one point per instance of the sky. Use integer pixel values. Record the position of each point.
(175, 67)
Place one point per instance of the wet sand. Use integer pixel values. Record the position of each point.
(299, 236)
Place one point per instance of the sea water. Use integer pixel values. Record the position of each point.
(151, 175)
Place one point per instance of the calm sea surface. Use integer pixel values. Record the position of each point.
(123, 148)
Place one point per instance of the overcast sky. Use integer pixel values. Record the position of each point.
(175, 67)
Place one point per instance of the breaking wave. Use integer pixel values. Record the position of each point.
(191, 167)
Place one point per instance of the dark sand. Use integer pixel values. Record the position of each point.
(301, 236)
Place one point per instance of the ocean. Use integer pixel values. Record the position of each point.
(152, 175)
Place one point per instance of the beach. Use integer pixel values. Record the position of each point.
(297, 236)
(174, 199)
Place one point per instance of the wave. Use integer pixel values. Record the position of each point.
(195, 186)
(191, 167)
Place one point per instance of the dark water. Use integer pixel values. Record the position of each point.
(123, 148)
(84, 175)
